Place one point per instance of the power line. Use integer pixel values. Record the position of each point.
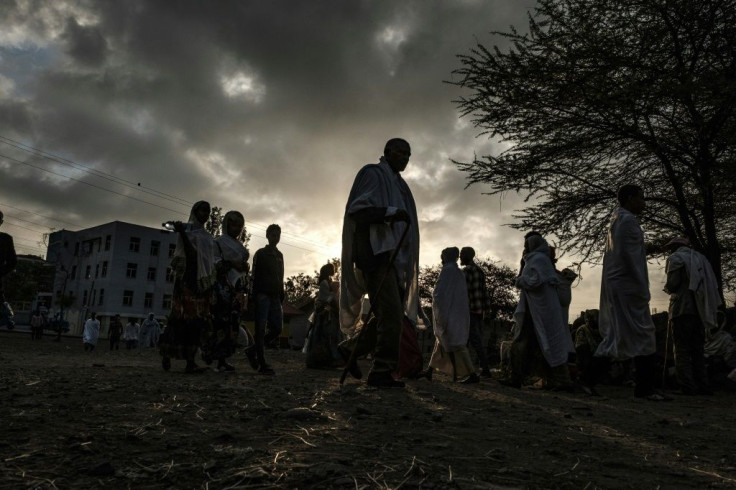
(11, 159)
(125, 195)
(37, 214)
(90, 170)
(19, 226)
(127, 183)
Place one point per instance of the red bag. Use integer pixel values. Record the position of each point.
(410, 355)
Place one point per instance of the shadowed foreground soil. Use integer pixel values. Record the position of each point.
(72, 419)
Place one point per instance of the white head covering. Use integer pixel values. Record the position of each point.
(203, 244)
(230, 248)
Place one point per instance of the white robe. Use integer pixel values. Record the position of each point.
(538, 283)
(702, 282)
(150, 330)
(131, 331)
(232, 250)
(91, 331)
(377, 185)
(624, 320)
(450, 308)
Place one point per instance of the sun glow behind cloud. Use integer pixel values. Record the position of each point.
(240, 85)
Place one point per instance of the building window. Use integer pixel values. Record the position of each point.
(169, 274)
(108, 241)
(76, 249)
(166, 304)
(74, 272)
(88, 272)
(132, 270)
(84, 298)
(155, 246)
(127, 298)
(172, 249)
(101, 298)
(87, 248)
(94, 297)
(104, 269)
(151, 276)
(97, 271)
(135, 244)
(148, 300)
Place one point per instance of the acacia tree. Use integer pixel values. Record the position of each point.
(600, 93)
(500, 287)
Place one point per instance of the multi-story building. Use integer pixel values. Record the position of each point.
(115, 268)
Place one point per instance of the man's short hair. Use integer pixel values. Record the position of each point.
(468, 251)
(451, 254)
(273, 227)
(394, 142)
(627, 191)
(532, 233)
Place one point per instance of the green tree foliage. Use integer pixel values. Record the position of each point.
(214, 226)
(600, 93)
(500, 280)
(299, 287)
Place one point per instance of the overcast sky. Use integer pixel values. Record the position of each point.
(267, 107)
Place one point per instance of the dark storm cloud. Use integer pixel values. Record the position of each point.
(267, 107)
(85, 44)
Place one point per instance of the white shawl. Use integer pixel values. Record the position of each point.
(230, 249)
(203, 244)
(450, 308)
(538, 283)
(624, 320)
(91, 331)
(377, 185)
(702, 282)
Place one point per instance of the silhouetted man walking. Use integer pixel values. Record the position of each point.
(380, 207)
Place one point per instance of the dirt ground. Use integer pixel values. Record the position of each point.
(72, 419)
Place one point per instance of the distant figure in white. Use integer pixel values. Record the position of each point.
(150, 331)
(91, 332)
(451, 322)
(131, 333)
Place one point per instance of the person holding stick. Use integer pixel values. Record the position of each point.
(380, 257)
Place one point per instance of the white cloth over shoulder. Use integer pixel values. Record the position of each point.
(701, 281)
(377, 185)
(538, 283)
(91, 331)
(232, 250)
(624, 320)
(203, 243)
(450, 308)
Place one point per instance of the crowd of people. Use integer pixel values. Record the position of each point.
(379, 260)
(214, 286)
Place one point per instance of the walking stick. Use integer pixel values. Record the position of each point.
(353, 354)
(666, 354)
